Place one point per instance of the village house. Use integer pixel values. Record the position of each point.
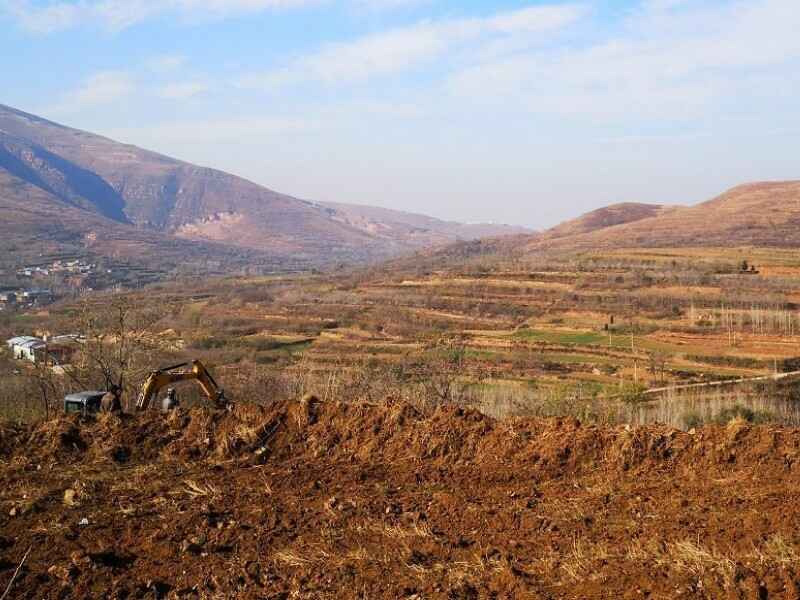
(57, 350)
(24, 347)
(37, 296)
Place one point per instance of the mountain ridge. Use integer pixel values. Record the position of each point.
(765, 213)
(156, 194)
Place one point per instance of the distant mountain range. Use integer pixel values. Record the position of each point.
(65, 189)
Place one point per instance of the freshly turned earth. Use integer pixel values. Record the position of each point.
(362, 501)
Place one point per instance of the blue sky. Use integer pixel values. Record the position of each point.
(510, 111)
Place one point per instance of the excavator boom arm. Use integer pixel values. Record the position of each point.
(157, 380)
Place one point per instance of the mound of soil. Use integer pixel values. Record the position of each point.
(330, 500)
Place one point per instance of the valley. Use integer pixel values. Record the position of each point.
(120, 202)
(476, 420)
(584, 334)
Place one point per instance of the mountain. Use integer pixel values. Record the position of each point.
(761, 214)
(412, 229)
(765, 214)
(144, 195)
(36, 227)
(608, 216)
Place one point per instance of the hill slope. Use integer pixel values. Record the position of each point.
(158, 194)
(765, 214)
(412, 228)
(761, 214)
(37, 226)
(161, 194)
(608, 216)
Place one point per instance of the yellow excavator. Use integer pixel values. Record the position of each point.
(90, 402)
(168, 376)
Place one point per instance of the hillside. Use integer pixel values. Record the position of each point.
(155, 194)
(160, 194)
(765, 214)
(608, 216)
(36, 227)
(761, 214)
(412, 229)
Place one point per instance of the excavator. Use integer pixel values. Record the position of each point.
(168, 376)
(89, 402)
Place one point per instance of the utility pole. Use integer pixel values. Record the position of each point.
(635, 361)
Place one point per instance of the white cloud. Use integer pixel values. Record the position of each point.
(388, 4)
(166, 63)
(673, 60)
(534, 19)
(116, 15)
(233, 130)
(97, 90)
(182, 90)
(399, 49)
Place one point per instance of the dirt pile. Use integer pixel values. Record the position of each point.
(448, 435)
(330, 500)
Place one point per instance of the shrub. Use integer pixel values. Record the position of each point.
(742, 412)
(633, 393)
(691, 420)
(263, 344)
(207, 343)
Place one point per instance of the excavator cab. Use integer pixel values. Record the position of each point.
(83, 403)
(168, 376)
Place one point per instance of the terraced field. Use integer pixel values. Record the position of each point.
(561, 334)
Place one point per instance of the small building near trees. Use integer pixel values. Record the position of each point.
(25, 347)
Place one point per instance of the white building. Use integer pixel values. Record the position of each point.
(25, 347)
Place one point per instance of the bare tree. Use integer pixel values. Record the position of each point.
(657, 365)
(121, 342)
(448, 374)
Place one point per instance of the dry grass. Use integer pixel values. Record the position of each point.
(689, 557)
(586, 560)
(397, 532)
(776, 551)
(580, 561)
(196, 490)
(292, 559)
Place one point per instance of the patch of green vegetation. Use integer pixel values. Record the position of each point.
(574, 358)
(264, 343)
(742, 362)
(208, 343)
(650, 345)
(260, 344)
(633, 393)
(480, 354)
(742, 412)
(296, 347)
(583, 338)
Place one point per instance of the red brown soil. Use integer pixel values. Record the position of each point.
(361, 501)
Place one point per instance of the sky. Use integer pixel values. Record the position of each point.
(509, 111)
